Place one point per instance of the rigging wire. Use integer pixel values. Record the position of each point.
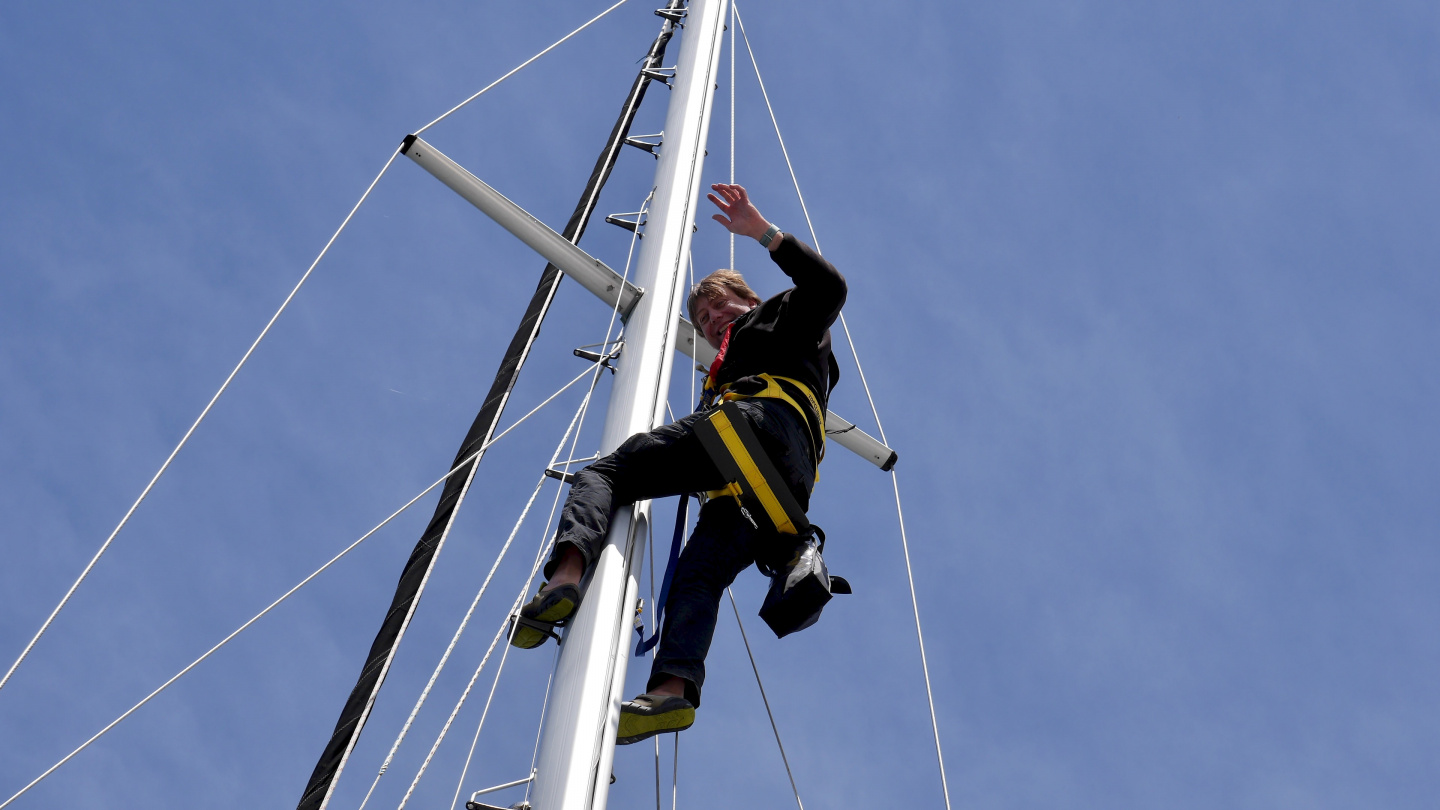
(203, 413)
(766, 700)
(242, 628)
(579, 417)
(520, 67)
(544, 548)
(732, 121)
(465, 695)
(895, 481)
(465, 621)
(263, 332)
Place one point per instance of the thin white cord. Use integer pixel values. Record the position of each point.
(614, 314)
(520, 67)
(545, 544)
(539, 727)
(499, 634)
(904, 542)
(464, 622)
(766, 700)
(206, 412)
(924, 664)
(732, 122)
(675, 777)
(442, 479)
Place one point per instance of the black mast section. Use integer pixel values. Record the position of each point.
(357, 707)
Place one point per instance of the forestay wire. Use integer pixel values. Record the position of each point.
(894, 480)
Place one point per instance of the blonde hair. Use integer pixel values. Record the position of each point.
(716, 285)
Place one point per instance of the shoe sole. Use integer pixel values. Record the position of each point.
(637, 727)
(528, 638)
(556, 612)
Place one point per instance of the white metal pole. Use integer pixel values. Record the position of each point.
(578, 743)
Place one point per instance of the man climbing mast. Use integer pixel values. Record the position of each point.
(774, 362)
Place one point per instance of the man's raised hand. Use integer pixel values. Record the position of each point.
(740, 216)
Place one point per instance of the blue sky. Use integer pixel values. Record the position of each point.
(1146, 293)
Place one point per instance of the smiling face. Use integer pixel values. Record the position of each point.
(718, 311)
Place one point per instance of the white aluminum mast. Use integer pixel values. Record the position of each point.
(578, 746)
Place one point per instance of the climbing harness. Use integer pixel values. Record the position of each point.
(751, 476)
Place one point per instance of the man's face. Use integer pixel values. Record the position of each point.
(712, 315)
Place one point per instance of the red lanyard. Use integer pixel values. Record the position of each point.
(711, 387)
(720, 355)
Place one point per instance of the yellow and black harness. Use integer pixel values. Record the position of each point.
(750, 474)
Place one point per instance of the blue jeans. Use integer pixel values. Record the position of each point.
(669, 461)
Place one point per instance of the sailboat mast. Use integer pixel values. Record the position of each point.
(578, 743)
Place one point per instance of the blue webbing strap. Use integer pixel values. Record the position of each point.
(682, 513)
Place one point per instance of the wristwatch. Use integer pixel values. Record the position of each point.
(769, 236)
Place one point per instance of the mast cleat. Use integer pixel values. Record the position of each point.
(644, 142)
(596, 357)
(632, 225)
(662, 75)
(674, 15)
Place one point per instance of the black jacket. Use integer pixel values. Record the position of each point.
(789, 334)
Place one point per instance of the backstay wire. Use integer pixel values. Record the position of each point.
(263, 332)
(766, 700)
(894, 480)
(306, 581)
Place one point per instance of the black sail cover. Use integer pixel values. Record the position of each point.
(362, 697)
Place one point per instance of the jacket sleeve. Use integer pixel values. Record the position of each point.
(819, 291)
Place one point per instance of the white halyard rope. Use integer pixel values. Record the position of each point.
(895, 481)
(201, 418)
(578, 418)
(465, 621)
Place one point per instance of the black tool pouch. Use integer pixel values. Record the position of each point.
(801, 588)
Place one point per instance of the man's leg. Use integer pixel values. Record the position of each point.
(723, 544)
(666, 461)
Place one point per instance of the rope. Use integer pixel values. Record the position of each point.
(766, 700)
(464, 622)
(499, 634)
(544, 547)
(520, 67)
(579, 417)
(203, 413)
(895, 481)
(366, 536)
(732, 121)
